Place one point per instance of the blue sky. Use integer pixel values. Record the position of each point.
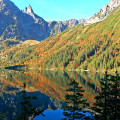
(60, 10)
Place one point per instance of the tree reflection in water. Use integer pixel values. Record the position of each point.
(75, 102)
(107, 105)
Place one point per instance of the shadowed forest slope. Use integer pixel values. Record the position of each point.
(94, 47)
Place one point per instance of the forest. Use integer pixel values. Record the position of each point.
(88, 47)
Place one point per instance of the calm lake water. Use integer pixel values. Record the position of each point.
(49, 87)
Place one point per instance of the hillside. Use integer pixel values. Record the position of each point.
(93, 47)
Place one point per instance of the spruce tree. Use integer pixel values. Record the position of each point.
(28, 112)
(3, 116)
(115, 98)
(101, 104)
(107, 105)
(75, 101)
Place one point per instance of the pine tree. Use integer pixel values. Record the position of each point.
(28, 111)
(3, 116)
(101, 105)
(75, 101)
(115, 98)
(107, 103)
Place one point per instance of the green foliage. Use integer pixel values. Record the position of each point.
(3, 115)
(75, 100)
(107, 103)
(28, 111)
(62, 58)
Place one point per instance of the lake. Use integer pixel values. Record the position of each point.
(48, 86)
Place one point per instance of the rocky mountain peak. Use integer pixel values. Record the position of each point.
(71, 22)
(114, 3)
(104, 12)
(28, 10)
(110, 6)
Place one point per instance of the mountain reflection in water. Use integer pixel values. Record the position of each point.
(48, 86)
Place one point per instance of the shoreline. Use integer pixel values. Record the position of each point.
(82, 70)
(58, 69)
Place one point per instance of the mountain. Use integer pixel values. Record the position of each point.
(104, 12)
(56, 27)
(93, 47)
(25, 25)
(16, 24)
(73, 22)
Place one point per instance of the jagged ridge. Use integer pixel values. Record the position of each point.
(104, 12)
